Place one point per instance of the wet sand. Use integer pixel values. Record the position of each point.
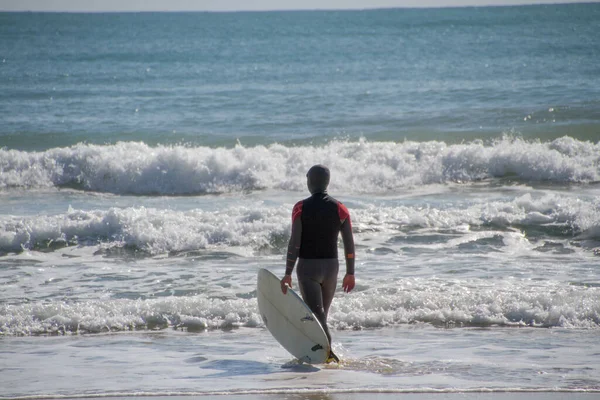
(482, 395)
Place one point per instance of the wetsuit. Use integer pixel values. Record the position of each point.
(316, 224)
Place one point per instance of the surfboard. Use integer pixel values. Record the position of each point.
(290, 321)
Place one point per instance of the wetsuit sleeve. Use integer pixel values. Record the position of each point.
(295, 238)
(297, 211)
(347, 238)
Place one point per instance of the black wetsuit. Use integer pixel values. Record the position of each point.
(316, 224)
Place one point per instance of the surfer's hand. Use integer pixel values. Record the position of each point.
(285, 282)
(348, 283)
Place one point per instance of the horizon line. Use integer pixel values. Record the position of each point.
(375, 8)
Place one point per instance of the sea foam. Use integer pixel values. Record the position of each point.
(152, 230)
(358, 166)
(445, 303)
(262, 228)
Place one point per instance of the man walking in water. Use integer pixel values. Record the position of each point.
(316, 224)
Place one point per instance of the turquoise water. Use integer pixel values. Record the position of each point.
(149, 163)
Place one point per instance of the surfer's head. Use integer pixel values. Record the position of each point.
(317, 179)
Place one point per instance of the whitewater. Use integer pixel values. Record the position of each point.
(149, 163)
(515, 236)
(361, 166)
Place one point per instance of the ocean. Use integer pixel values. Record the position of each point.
(149, 163)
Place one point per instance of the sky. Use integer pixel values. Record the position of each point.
(243, 5)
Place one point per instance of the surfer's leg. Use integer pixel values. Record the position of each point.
(310, 276)
(330, 274)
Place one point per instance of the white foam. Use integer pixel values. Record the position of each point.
(124, 315)
(259, 227)
(549, 210)
(153, 230)
(359, 166)
(448, 303)
(469, 303)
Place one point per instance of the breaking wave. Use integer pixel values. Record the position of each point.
(266, 229)
(359, 166)
(443, 303)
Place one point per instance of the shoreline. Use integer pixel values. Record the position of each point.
(337, 394)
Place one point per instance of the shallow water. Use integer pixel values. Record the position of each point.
(147, 174)
(403, 359)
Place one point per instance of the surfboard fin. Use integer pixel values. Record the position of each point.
(332, 358)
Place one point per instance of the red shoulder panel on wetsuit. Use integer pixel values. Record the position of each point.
(297, 211)
(343, 212)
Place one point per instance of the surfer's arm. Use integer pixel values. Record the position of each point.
(348, 240)
(293, 246)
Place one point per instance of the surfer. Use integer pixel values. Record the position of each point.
(316, 224)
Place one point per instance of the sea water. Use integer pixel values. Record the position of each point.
(149, 163)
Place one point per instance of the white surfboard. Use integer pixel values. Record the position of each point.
(290, 321)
